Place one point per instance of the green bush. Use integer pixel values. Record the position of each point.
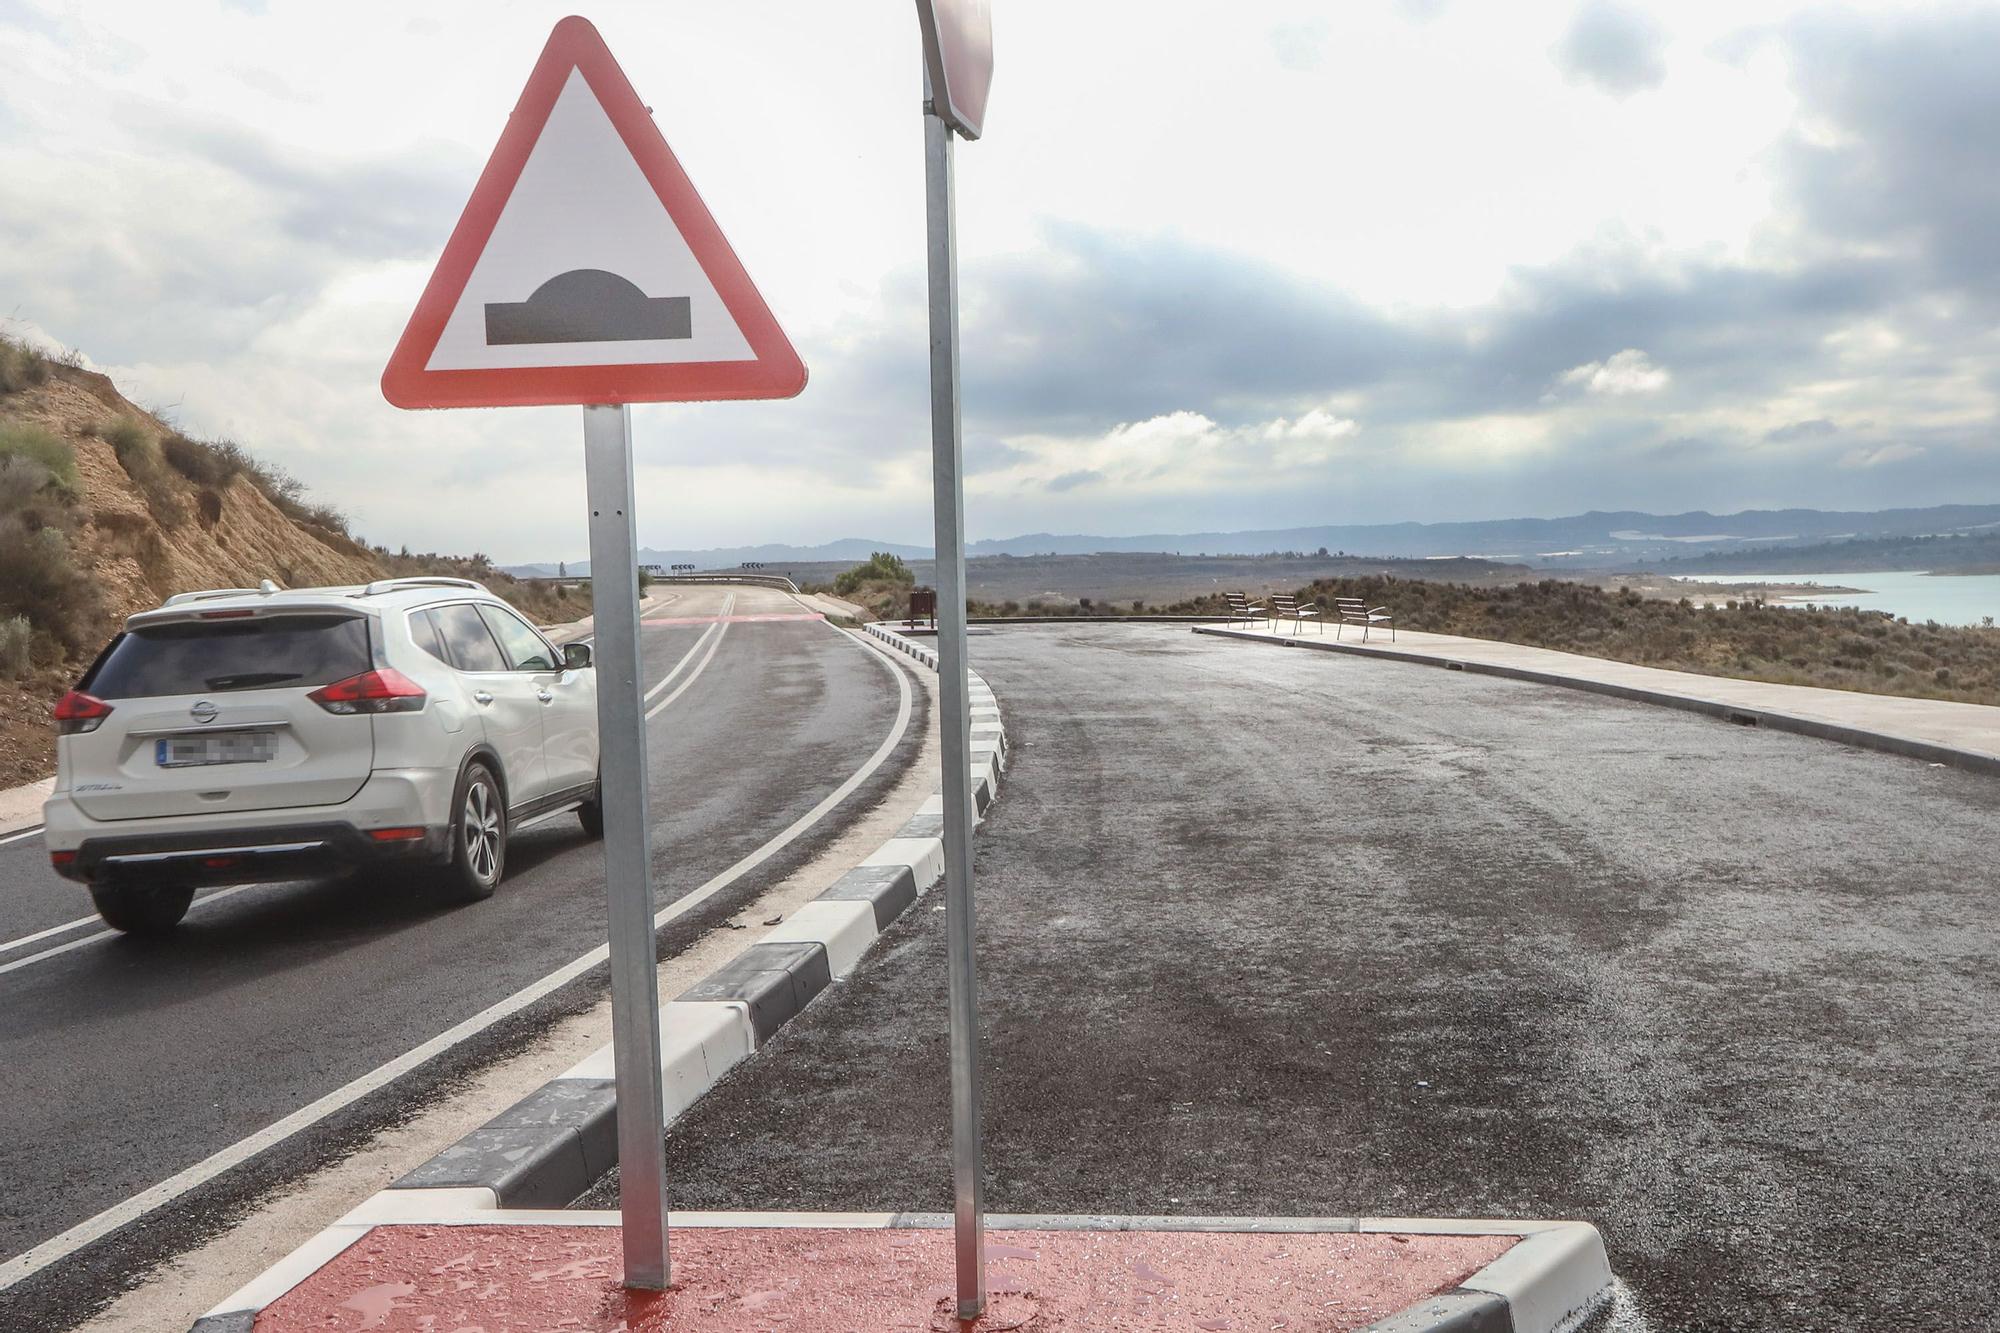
(20, 440)
(124, 436)
(16, 634)
(20, 366)
(881, 567)
(43, 585)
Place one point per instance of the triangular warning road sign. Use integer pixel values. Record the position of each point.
(585, 268)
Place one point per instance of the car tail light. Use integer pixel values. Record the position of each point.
(77, 712)
(62, 858)
(383, 690)
(396, 834)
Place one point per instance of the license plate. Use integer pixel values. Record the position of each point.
(236, 747)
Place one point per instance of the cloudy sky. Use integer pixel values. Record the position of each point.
(1254, 264)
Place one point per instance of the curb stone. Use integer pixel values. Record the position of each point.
(1740, 714)
(552, 1145)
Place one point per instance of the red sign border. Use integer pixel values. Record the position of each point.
(777, 371)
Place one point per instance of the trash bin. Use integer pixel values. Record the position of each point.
(923, 605)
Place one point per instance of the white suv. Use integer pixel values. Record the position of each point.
(255, 735)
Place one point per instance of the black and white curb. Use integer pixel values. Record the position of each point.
(1553, 1280)
(552, 1145)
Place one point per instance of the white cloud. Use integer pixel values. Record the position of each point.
(1176, 454)
(1300, 47)
(1618, 47)
(249, 244)
(1881, 455)
(1621, 374)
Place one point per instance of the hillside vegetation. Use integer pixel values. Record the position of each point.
(106, 509)
(1837, 648)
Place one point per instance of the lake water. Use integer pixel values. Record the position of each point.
(1949, 599)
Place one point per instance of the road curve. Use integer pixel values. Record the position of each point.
(1296, 933)
(132, 1059)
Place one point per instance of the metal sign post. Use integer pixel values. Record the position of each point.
(954, 726)
(605, 243)
(958, 68)
(628, 866)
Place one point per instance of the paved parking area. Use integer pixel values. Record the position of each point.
(1302, 933)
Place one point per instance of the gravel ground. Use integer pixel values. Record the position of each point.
(1291, 933)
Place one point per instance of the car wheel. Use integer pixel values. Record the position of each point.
(478, 836)
(591, 813)
(141, 910)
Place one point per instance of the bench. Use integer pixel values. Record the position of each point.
(1243, 609)
(1287, 607)
(1354, 611)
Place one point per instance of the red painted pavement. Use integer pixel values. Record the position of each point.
(730, 620)
(499, 1279)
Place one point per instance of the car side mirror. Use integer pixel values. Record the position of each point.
(576, 657)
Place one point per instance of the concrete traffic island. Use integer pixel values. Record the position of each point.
(837, 1273)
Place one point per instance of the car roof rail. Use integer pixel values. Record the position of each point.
(212, 593)
(418, 581)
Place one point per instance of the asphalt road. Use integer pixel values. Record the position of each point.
(128, 1060)
(1296, 933)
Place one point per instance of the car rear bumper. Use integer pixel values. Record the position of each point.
(259, 846)
(302, 851)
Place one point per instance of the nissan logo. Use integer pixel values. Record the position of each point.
(203, 712)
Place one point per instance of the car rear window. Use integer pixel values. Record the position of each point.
(216, 656)
(424, 633)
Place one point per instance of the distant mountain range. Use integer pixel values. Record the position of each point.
(1595, 540)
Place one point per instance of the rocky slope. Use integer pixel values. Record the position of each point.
(105, 509)
(144, 542)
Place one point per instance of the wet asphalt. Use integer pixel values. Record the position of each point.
(1274, 932)
(127, 1060)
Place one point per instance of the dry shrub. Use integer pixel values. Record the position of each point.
(20, 440)
(21, 366)
(1839, 648)
(144, 464)
(24, 485)
(16, 638)
(201, 463)
(40, 581)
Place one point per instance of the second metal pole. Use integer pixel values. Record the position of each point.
(954, 725)
(628, 867)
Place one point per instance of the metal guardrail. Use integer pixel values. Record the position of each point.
(761, 580)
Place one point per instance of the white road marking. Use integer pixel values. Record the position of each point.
(59, 1247)
(714, 632)
(19, 963)
(90, 920)
(721, 627)
(24, 833)
(11, 945)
